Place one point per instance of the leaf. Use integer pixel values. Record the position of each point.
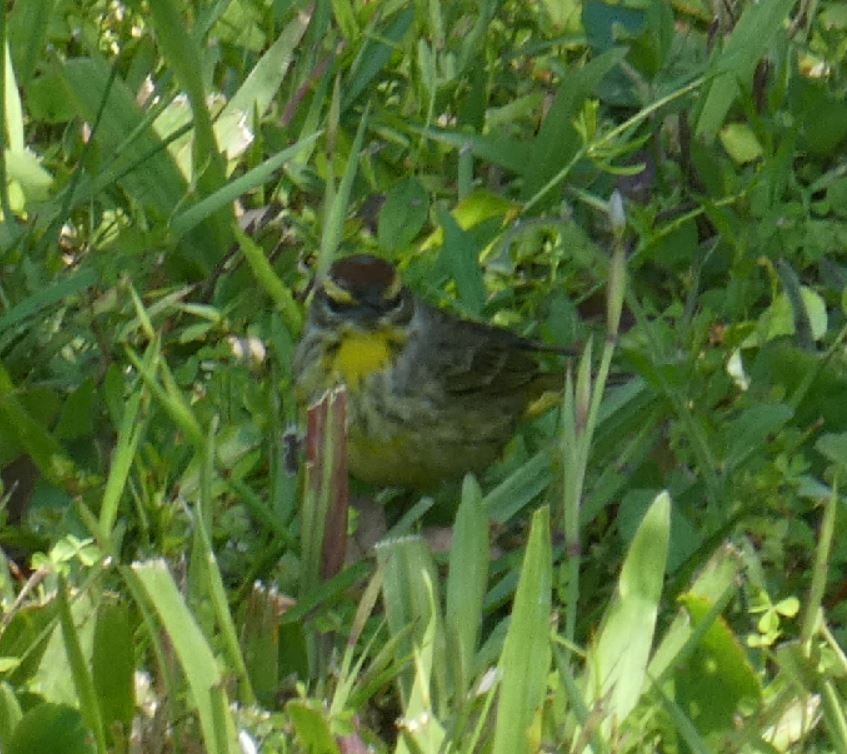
(311, 727)
(778, 319)
(77, 418)
(749, 431)
(403, 215)
(262, 83)
(152, 579)
(10, 714)
(717, 676)
(834, 447)
(475, 208)
(159, 184)
(558, 140)
(460, 257)
(113, 664)
(410, 606)
(751, 38)
(466, 585)
(24, 167)
(28, 25)
(375, 54)
(50, 728)
(525, 659)
(507, 152)
(617, 666)
(740, 143)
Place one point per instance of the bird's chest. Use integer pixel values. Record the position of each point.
(359, 355)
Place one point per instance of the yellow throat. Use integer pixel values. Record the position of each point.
(362, 353)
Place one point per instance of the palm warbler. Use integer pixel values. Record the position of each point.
(430, 395)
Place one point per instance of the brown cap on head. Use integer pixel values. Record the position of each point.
(365, 278)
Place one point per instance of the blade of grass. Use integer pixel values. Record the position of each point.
(224, 196)
(214, 587)
(526, 651)
(123, 455)
(268, 279)
(374, 54)
(337, 202)
(812, 611)
(261, 84)
(466, 585)
(28, 34)
(409, 580)
(198, 663)
(515, 492)
(44, 449)
(80, 673)
(617, 667)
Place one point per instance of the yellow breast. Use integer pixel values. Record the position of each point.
(360, 354)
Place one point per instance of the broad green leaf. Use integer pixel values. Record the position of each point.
(749, 432)
(311, 727)
(460, 257)
(525, 660)
(778, 319)
(403, 215)
(834, 447)
(474, 209)
(48, 729)
(28, 25)
(113, 664)
(31, 435)
(499, 150)
(77, 417)
(10, 714)
(717, 677)
(617, 663)
(24, 167)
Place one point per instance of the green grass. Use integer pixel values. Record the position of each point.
(658, 564)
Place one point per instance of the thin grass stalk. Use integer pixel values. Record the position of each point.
(80, 672)
(812, 612)
(215, 587)
(582, 409)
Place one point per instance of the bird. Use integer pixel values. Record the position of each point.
(430, 395)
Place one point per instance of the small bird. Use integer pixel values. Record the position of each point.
(430, 396)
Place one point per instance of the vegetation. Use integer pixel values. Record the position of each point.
(657, 564)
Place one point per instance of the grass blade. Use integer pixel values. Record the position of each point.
(618, 660)
(526, 652)
(192, 650)
(466, 585)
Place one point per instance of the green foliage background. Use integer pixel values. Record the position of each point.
(667, 565)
